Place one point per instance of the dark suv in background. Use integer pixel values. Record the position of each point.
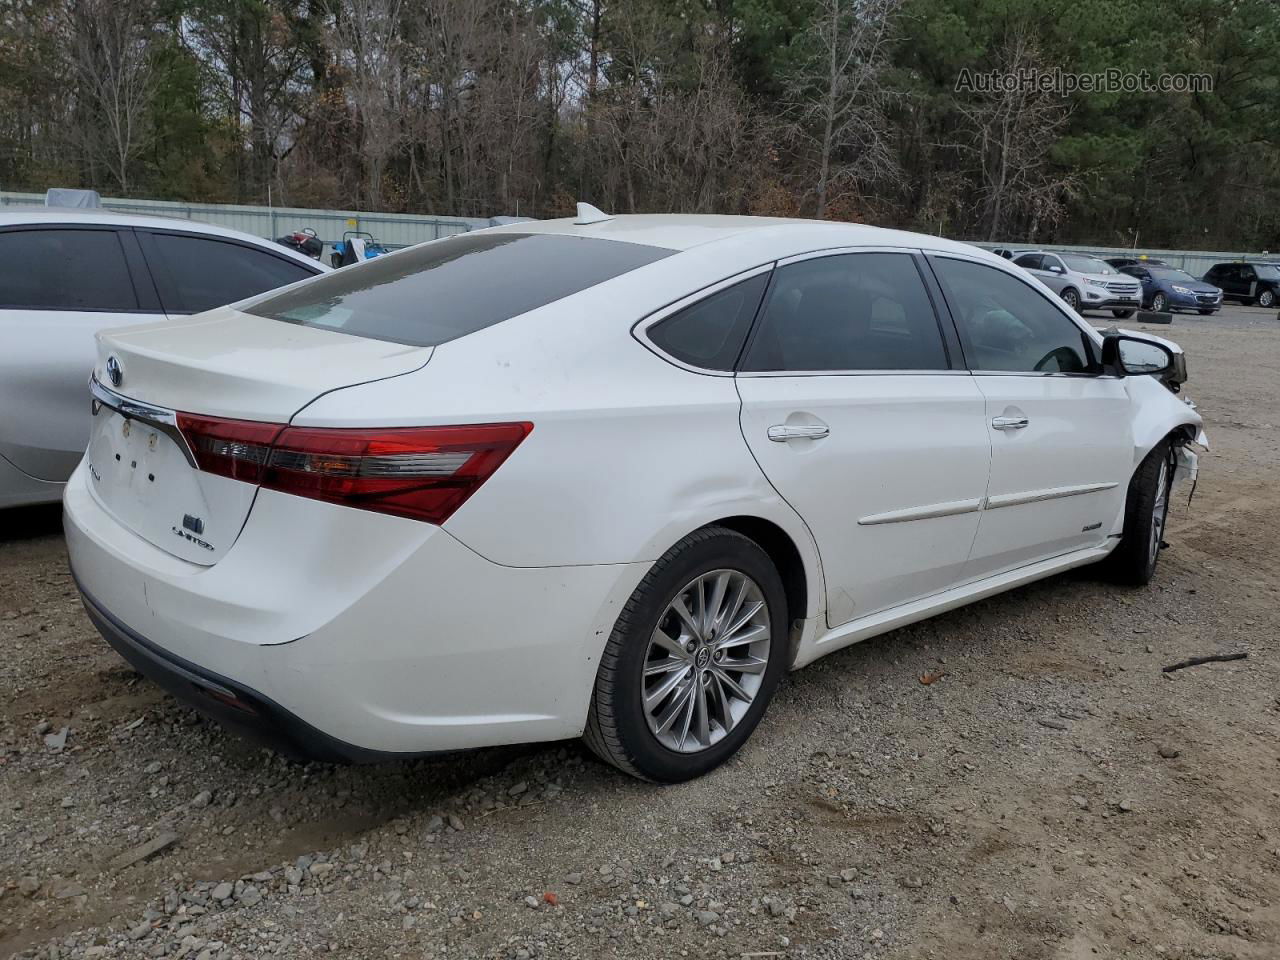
(1248, 283)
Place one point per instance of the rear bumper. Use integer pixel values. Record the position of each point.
(224, 700)
(351, 635)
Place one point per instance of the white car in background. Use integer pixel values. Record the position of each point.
(66, 274)
(609, 477)
(1084, 282)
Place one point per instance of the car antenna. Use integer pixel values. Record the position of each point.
(589, 214)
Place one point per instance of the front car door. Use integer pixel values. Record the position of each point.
(61, 284)
(1143, 276)
(856, 407)
(1061, 433)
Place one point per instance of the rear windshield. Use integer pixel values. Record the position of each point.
(445, 290)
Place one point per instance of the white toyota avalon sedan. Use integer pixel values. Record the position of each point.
(605, 477)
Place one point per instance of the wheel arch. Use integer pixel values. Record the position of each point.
(784, 553)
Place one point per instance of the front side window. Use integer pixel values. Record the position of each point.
(440, 291)
(1008, 326)
(200, 273)
(710, 333)
(81, 270)
(856, 311)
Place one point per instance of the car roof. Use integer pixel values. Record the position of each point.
(18, 216)
(685, 231)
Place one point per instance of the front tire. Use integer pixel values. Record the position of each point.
(1207, 313)
(1071, 299)
(1267, 298)
(693, 660)
(1146, 510)
(1159, 303)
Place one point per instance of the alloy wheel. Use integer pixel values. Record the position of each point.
(1159, 509)
(706, 660)
(1266, 298)
(1071, 299)
(1158, 303)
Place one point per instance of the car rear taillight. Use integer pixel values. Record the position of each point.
(425, 473)
(238, 449)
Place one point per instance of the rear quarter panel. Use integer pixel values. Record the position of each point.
(628, 454)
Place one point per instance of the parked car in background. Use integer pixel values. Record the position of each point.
(1168, 289)
(1248, 283)
(376, 526)
(1009, 253)
(1139, 261)
(1085, 283)
(66, 274)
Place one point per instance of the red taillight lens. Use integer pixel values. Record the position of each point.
(238, 449)
(425, 473)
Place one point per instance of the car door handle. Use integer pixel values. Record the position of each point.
(781, 433)
(1009, 423)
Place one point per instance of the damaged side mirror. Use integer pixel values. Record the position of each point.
(1124, 355)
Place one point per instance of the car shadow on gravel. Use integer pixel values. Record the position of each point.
(29, 523)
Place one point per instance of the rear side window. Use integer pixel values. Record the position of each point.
(710, 333)
(441, 291)
(1030, 261)
(64, 270)
(1007, 325)
(200, 273)
(857, 311)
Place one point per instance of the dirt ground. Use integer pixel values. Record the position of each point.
(1055, 795)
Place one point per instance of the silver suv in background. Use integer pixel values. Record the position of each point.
(1085, 283)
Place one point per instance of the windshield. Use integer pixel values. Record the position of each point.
(1267, 272)
(1088, 265)
(440, 291)
(1171, 273)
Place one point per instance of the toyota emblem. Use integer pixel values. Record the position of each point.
(114, 373)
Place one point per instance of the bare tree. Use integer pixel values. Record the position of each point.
(108, 48)
(367, 45)
(837, 94)
(255, 59)
(1011, 133)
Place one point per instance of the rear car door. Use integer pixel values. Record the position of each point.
(858, 412)
(197, 272)
(1061, 433)
(60, 285)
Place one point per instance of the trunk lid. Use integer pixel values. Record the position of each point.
(220, 364)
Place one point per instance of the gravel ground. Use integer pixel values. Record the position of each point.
(1054, 795)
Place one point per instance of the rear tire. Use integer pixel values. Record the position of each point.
(1146, 509)
(625, 717)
